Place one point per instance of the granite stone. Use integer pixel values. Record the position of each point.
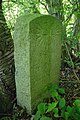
(37, 54)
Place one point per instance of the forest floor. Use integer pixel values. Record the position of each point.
(72, 91)
(70, 83)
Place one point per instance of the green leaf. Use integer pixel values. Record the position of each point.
(76, 116)
(77, 103)
(70, 110)
(42, 108)
(51, 106)
(62, 103)
(63, 113)
(54, 91)
(66, 115)
(45, 118)
(61, 90)
(56, 113)
(55, 94)
(37, 115)
(55, 87)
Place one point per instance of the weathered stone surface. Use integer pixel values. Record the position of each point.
(37, 51)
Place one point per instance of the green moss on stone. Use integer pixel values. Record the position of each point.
(37, 51)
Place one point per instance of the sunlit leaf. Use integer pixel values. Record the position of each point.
(62, 103)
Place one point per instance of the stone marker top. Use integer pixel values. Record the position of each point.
(23, 23)
(26, 19)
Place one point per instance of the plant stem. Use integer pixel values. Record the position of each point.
(72, 63)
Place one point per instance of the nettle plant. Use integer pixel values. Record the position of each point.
(56, 108)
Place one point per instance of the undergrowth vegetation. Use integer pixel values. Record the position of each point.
(55, 108)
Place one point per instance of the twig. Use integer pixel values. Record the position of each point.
(44, 6)
(73, 11)
(69, 81)
(3, 114)
(72, 63)
(13, 100)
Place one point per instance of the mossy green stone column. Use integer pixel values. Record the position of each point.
(37, 51)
